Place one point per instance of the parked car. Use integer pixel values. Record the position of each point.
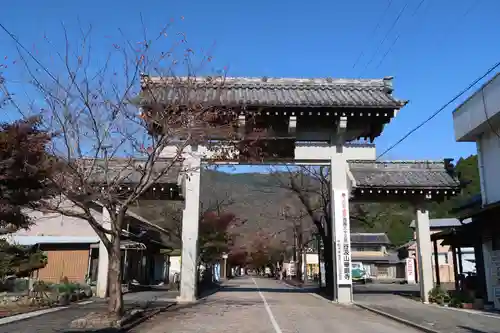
(359, 273)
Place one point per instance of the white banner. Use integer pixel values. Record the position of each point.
(410, 270)
(342, 236)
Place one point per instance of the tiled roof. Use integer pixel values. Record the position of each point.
(390, 258)
(369, 238)
(443, 223)
(284, 92)
(130, 170)
(402, 174)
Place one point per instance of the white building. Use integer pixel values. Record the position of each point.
(478, 120)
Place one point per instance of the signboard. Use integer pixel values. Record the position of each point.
(495, 276)
(410, 270)
(342, 236)
(291, 269)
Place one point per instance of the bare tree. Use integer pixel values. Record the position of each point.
(106, 151)
(311, 186)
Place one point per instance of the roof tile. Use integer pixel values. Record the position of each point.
(402, 174)
(284, 92)
(369, 238)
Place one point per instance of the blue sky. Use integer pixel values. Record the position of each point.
(434, 50)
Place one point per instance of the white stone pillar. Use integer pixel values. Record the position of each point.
(103, 261)
(339, 191)
(190, 220)
(424, 248)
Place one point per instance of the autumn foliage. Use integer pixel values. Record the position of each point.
(24, 168)
(214, 237)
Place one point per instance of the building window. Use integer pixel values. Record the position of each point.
(383, 270)
(442, 258)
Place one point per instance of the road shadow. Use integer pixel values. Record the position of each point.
(473, 330)
(104, 330)
(209, 291)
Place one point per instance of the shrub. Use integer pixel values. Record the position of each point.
(439, 295)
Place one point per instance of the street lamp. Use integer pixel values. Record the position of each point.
(224, 265)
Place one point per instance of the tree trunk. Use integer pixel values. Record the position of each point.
(327, 238)
(299, 255)
(115, 300)
(329, 274)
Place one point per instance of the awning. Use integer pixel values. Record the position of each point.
(464, 236)
(486, 209)
(127, 245)
(33, 240)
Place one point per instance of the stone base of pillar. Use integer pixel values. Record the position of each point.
(185, 300)
(344, 294)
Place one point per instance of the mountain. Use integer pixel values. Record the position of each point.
(260, 201)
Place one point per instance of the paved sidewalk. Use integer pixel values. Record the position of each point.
(431, 317)
(246, 305)
(59, 321)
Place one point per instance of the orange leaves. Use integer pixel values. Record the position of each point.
(217, 222)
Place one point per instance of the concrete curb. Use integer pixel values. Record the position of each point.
(398, 319)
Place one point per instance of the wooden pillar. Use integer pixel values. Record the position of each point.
(481, 274)
(455, 266)
(460, 263)
(436, 263)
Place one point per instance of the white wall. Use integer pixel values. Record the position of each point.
(317, 151)
(175, 266)
(469, 119)
(53, 224)
(468, 254)
(492, 272)
(312, 259)
(303, 151)
(489, 162)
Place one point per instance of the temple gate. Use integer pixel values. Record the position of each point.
(318, 122)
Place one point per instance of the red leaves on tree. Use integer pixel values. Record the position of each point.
(238, 257)
(214, 238)
(214, 222)
(24, 169)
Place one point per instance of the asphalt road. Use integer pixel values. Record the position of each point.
(258, 305)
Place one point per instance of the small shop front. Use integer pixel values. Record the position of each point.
(483, 234)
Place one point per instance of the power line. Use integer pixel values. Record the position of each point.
(463, 91)
(462, 17)
(400, 14)
(22, 47)
(399, 35)
(379, 23)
